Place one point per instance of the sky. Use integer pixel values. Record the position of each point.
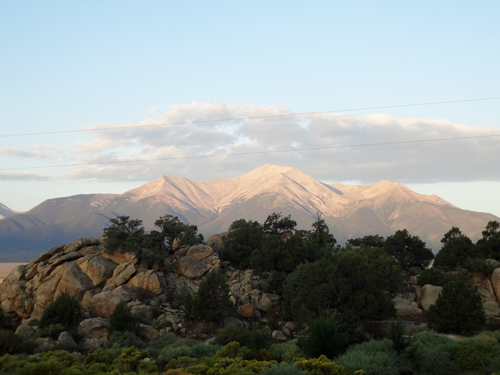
(101, 97)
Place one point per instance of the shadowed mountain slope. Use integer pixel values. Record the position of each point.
(350, 211)
(6, 211)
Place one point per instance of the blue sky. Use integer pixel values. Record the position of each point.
(74, 65)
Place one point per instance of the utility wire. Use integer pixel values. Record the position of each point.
(244, 118)
(253, 152)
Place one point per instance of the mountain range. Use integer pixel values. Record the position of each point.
(349, 211)
(6, 211)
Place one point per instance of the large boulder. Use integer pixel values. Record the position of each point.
(74, 281)
(495, 282)
(122, 274)
(406, 308)
(104, 304)
(121, 257)
(148, 281)
(430, 294)
(215, 242)
(199, 252)
(95, 332)
(484, 287)
(191, 268)
(97, 268)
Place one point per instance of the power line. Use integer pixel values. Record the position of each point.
(244, 118)
(253, 152)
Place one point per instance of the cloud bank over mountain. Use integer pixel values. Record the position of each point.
(198, 131)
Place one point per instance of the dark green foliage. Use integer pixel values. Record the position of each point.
(125, 339)
(351, 280)
(331, 335)
(373, 357)
(489, 245)
(158, 244)
(6, 340)
(432, 354)
(124, 235)
(479, 265)
(410, 251)
(260, 338)
(396, 334)
(370, 240)
(282, 369)
(320, 234)
(65, 310)
(232, 333)
(431, 276)
(122, 319)
(242, 238)
(211, 303)
(458, 309)
(455, 250)
(477, 352)
(276, 224)
(2, 320)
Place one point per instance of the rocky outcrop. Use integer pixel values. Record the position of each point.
(430, 294)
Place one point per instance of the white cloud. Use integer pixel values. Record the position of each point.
(23, 176)
(194, 132)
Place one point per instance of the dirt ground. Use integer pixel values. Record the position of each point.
(5, 269)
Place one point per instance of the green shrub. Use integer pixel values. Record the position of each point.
(479, 265)
(431, 276)
(6, 339)
(331, 335)
(65, 310)
(282, 369)
(396, 334)
(476, 352)
(232, 333)
(260, 338)
(432, 354)
(211, 302)
(458, 308)
(125, 340)
(373, 357)
(321, 365)
(123, 320)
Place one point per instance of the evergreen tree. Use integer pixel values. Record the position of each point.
(456, 248)
(458, 308)
(65, 311)
(489, 245)
(124, 235)
(211, 302)
(242, 238)
(410, 251)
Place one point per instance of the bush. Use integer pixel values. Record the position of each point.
(320, 366)
(479, 265)
(351, 280)
(211, 302)
(431, 276)
(125, 340)
(397, 335)
(232, 333)
(331, 335)
(123, 320)
(432, 354)
(65, 310)
(282, 369)
(477, 352)
(373, 357)
(458, 309)
(6, 339)
(2, 320)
